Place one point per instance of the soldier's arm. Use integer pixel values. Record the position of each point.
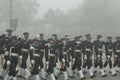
(46, 53)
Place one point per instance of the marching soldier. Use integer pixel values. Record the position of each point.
(69, 53)
(87, 54)
(56, 66)
(42, 52)
(4, 40)
(12, 53)
(25, 46)
(109, 51)
(36, 60)
(98, 48)
(50, 56)
(117, 54)
(63, 57)
(77, 56)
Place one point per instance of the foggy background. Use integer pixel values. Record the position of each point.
(73, 17)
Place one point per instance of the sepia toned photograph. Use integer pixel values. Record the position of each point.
(59, 39)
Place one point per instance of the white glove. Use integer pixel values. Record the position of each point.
(20, 57)
(98, 56)
(6, 53)
(32, 48)
(8, 63)
(85, 57)
(115, 55)
(108, 56)
(63, 60)
(47, 62)
(73, 59)
(32, 61)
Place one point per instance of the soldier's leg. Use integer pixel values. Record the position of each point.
(42, 72)
(80, 71)
(111, 68)
(69, 70)
(65, 69)
(51, 66)
(102, 71)
(106, 62)
(35, 70)
(89, 64)
(24, 60)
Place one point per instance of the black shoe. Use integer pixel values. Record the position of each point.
(95, 71)
(84, 72)
(104, 75)
(109, 71)
(45, 79)
(117, 71)
(92, 76)
(114, 75)
(83, 78)
(71, 76)
(19, 76)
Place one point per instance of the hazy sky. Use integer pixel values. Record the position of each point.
(63, 5)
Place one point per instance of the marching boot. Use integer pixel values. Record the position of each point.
(1, 73)
(81, 75)
(91, 73)
(56, 71)
(70, 72)
(14, 78)
(113, 72)
(103, 73)
(37, 77)
(52, 76)
(65, 75)
(19, 72)
(28, 74)
(7, 77)
(94, 70)
(43, 74)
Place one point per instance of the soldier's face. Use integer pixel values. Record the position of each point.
(14, 40)
(88, 38)
(100, 37)
(51, 41)
(9, 33)
(64, 41)
(67, 40)
(78, 39)
(26, 36)
(109, 39)
(41, 37)
(36, 42)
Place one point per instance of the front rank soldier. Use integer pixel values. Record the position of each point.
(109, 51)
(69, 53)
(50, 56)
(87, 54)
(42, 52)
(77, 56)
(117, 54)
(12, 54)
(64, 57)
(25, 46)
(98, 48)
(56, 66)
(36, 60)
(4, 40)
